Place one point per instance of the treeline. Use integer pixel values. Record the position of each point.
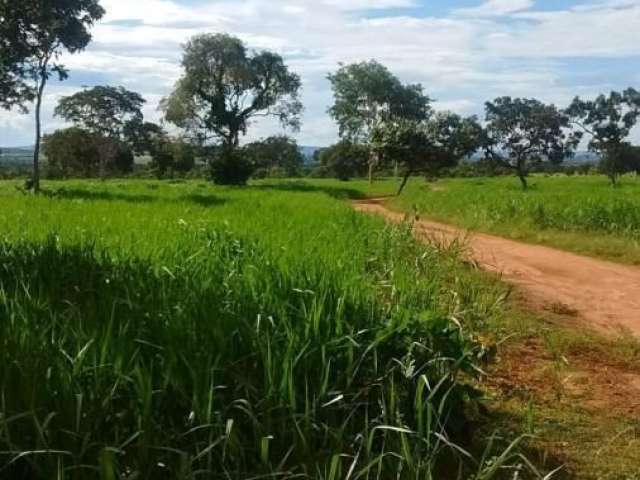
(384, 125)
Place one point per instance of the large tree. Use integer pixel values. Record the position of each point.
(225, 86)
(33, 35)
(522, 132)
(427, 147)
(112, 113)
(344, 160)
(608, 120)
(366, 96)
(275, 156)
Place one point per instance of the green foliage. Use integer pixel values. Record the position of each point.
(609, 121)
(368, 94)
(246, 333)
(110, 113)
(522, 132)
(72, 152)
(104, 110)
(169, 156)
(76, 152)
(344, 160)
(33, 36)
(577, 213)
(229, 166)
(427, 146)
(224, 86)
(277, 156)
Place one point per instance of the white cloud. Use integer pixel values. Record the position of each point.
(463, 59)
(492, 8)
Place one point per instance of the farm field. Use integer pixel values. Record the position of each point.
(175, 330)
(582, 214)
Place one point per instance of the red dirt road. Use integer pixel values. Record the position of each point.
(603, 294)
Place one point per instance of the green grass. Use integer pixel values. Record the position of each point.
(582, 214)
(179, 331)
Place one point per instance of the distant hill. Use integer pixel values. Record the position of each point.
(309, 151)
(16, 155)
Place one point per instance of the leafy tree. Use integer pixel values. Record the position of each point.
(619, 159)
(72, 152)
(112, 113)
(522, 132)
(224, 87)
(609, 121)
(345, 160)
(141, 136)
(171, 155)
(429, 146)
(367, 95)
(33, 35)
(275, 156)
(76, 152)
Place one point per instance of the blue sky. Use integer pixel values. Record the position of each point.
(463, 52)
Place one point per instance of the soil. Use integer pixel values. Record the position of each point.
(583, 290)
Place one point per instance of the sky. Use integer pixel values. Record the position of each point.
(463, 52)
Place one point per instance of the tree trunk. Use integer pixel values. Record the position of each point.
(404, 182)
(523, 180)
(36, 149)
(373, 161)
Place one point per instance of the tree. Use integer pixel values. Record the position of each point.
(367, 95)
(112, 113)
(224, 87)
(72, 152)
(275, 156)
(345, 160)
(428, 146)
(619, 159)
(33, 35)
(76, 152)
(521, 132)
(171, 155)
(609, 121)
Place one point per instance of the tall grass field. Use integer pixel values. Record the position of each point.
(156, 330)
(583, 214)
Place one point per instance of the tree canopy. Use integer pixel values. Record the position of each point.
(109, 113)
(366, 96)
(276, 156)
(105, 110)
(427, 146)
(33, 35)
(521, 132)
(224, 87)
(608, 120)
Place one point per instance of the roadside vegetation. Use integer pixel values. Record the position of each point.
(580, 213)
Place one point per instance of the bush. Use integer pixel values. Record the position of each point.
(345, 160)
(230, 167)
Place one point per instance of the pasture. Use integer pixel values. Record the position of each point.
(178, 330)
(582, 214)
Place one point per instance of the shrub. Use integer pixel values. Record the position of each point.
(230, 167)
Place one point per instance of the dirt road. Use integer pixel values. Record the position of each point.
(606, 295)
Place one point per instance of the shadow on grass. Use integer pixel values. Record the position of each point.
(204, 200)
(342, 193)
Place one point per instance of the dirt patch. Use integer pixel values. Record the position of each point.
(583, 290)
